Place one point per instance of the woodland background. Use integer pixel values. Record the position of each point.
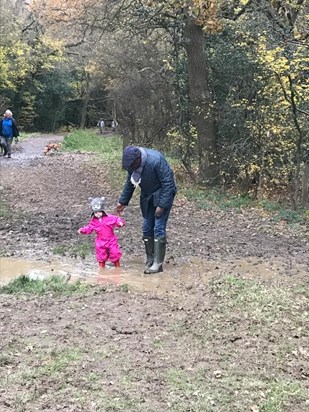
(222, 85)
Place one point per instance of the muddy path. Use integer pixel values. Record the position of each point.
(188, 339)
(45, 200)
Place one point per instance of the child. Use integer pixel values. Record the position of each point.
(103, 225)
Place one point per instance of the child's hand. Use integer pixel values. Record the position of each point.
(79, 231)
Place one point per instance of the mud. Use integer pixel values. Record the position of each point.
(183, 340)
(46, 198)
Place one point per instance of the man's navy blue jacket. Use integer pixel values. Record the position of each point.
(157, 183)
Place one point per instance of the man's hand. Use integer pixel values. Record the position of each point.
(120, 208)
(159, 211)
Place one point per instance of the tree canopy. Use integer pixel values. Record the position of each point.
(223, 84)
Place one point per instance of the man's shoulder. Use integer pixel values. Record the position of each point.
(154, 154)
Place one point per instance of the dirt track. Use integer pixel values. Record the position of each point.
(216, 346)
(47, 200)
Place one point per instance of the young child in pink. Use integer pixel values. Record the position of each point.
(106, 242)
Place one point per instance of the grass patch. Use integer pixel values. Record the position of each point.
(210, 361)
(89, 141)
(209, 199)
(58, 361)
(257, 302)
(228, 392)
(79, 250)
(53, 284)
(279, 393)
(4, 210)
(124, 288)
(212, 199)
(59, 250)
(108, 150)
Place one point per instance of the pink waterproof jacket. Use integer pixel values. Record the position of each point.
(106, 244)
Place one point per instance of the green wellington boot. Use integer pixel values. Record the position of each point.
(149, 248)
(159, 254)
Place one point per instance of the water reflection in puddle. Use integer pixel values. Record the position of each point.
(131, 273)
(12, 268)
(195, 271)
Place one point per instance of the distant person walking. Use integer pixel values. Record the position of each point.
(8, 131)
(114, 125)
(101, 125)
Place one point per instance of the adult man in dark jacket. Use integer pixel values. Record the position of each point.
(149, 169)
(8, 130)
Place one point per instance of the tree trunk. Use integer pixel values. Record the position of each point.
(85, 101)
(201, 102)
(305, 188)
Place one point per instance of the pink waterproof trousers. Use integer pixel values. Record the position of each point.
(106, 242)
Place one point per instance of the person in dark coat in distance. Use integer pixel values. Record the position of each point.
(149, 169)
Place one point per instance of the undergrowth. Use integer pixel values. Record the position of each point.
(109, 152)
(211, 199)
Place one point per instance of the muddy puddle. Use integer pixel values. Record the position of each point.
(192, 273)
(131, 274)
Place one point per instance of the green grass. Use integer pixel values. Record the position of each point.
(109, 151)
(4, 211)
(207, 199)
(279, 393)
(88, 141)
(79, 250)
(59, 360)
(259, 304)
(190, 362)
(258, 315)
(59, 250)
(53, 284)
(206, 393)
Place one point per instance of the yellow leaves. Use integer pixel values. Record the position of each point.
(205, 14)
(273, 58)
(14, 64)
(285, 71)
(61, 10)
(4, 70)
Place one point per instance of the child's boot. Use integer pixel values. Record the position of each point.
(102, 264)
(117, 264)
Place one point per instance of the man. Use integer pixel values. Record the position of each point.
(149, 169)
(101, 125)
(8, 130)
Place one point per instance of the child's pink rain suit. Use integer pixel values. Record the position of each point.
(106, 244)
